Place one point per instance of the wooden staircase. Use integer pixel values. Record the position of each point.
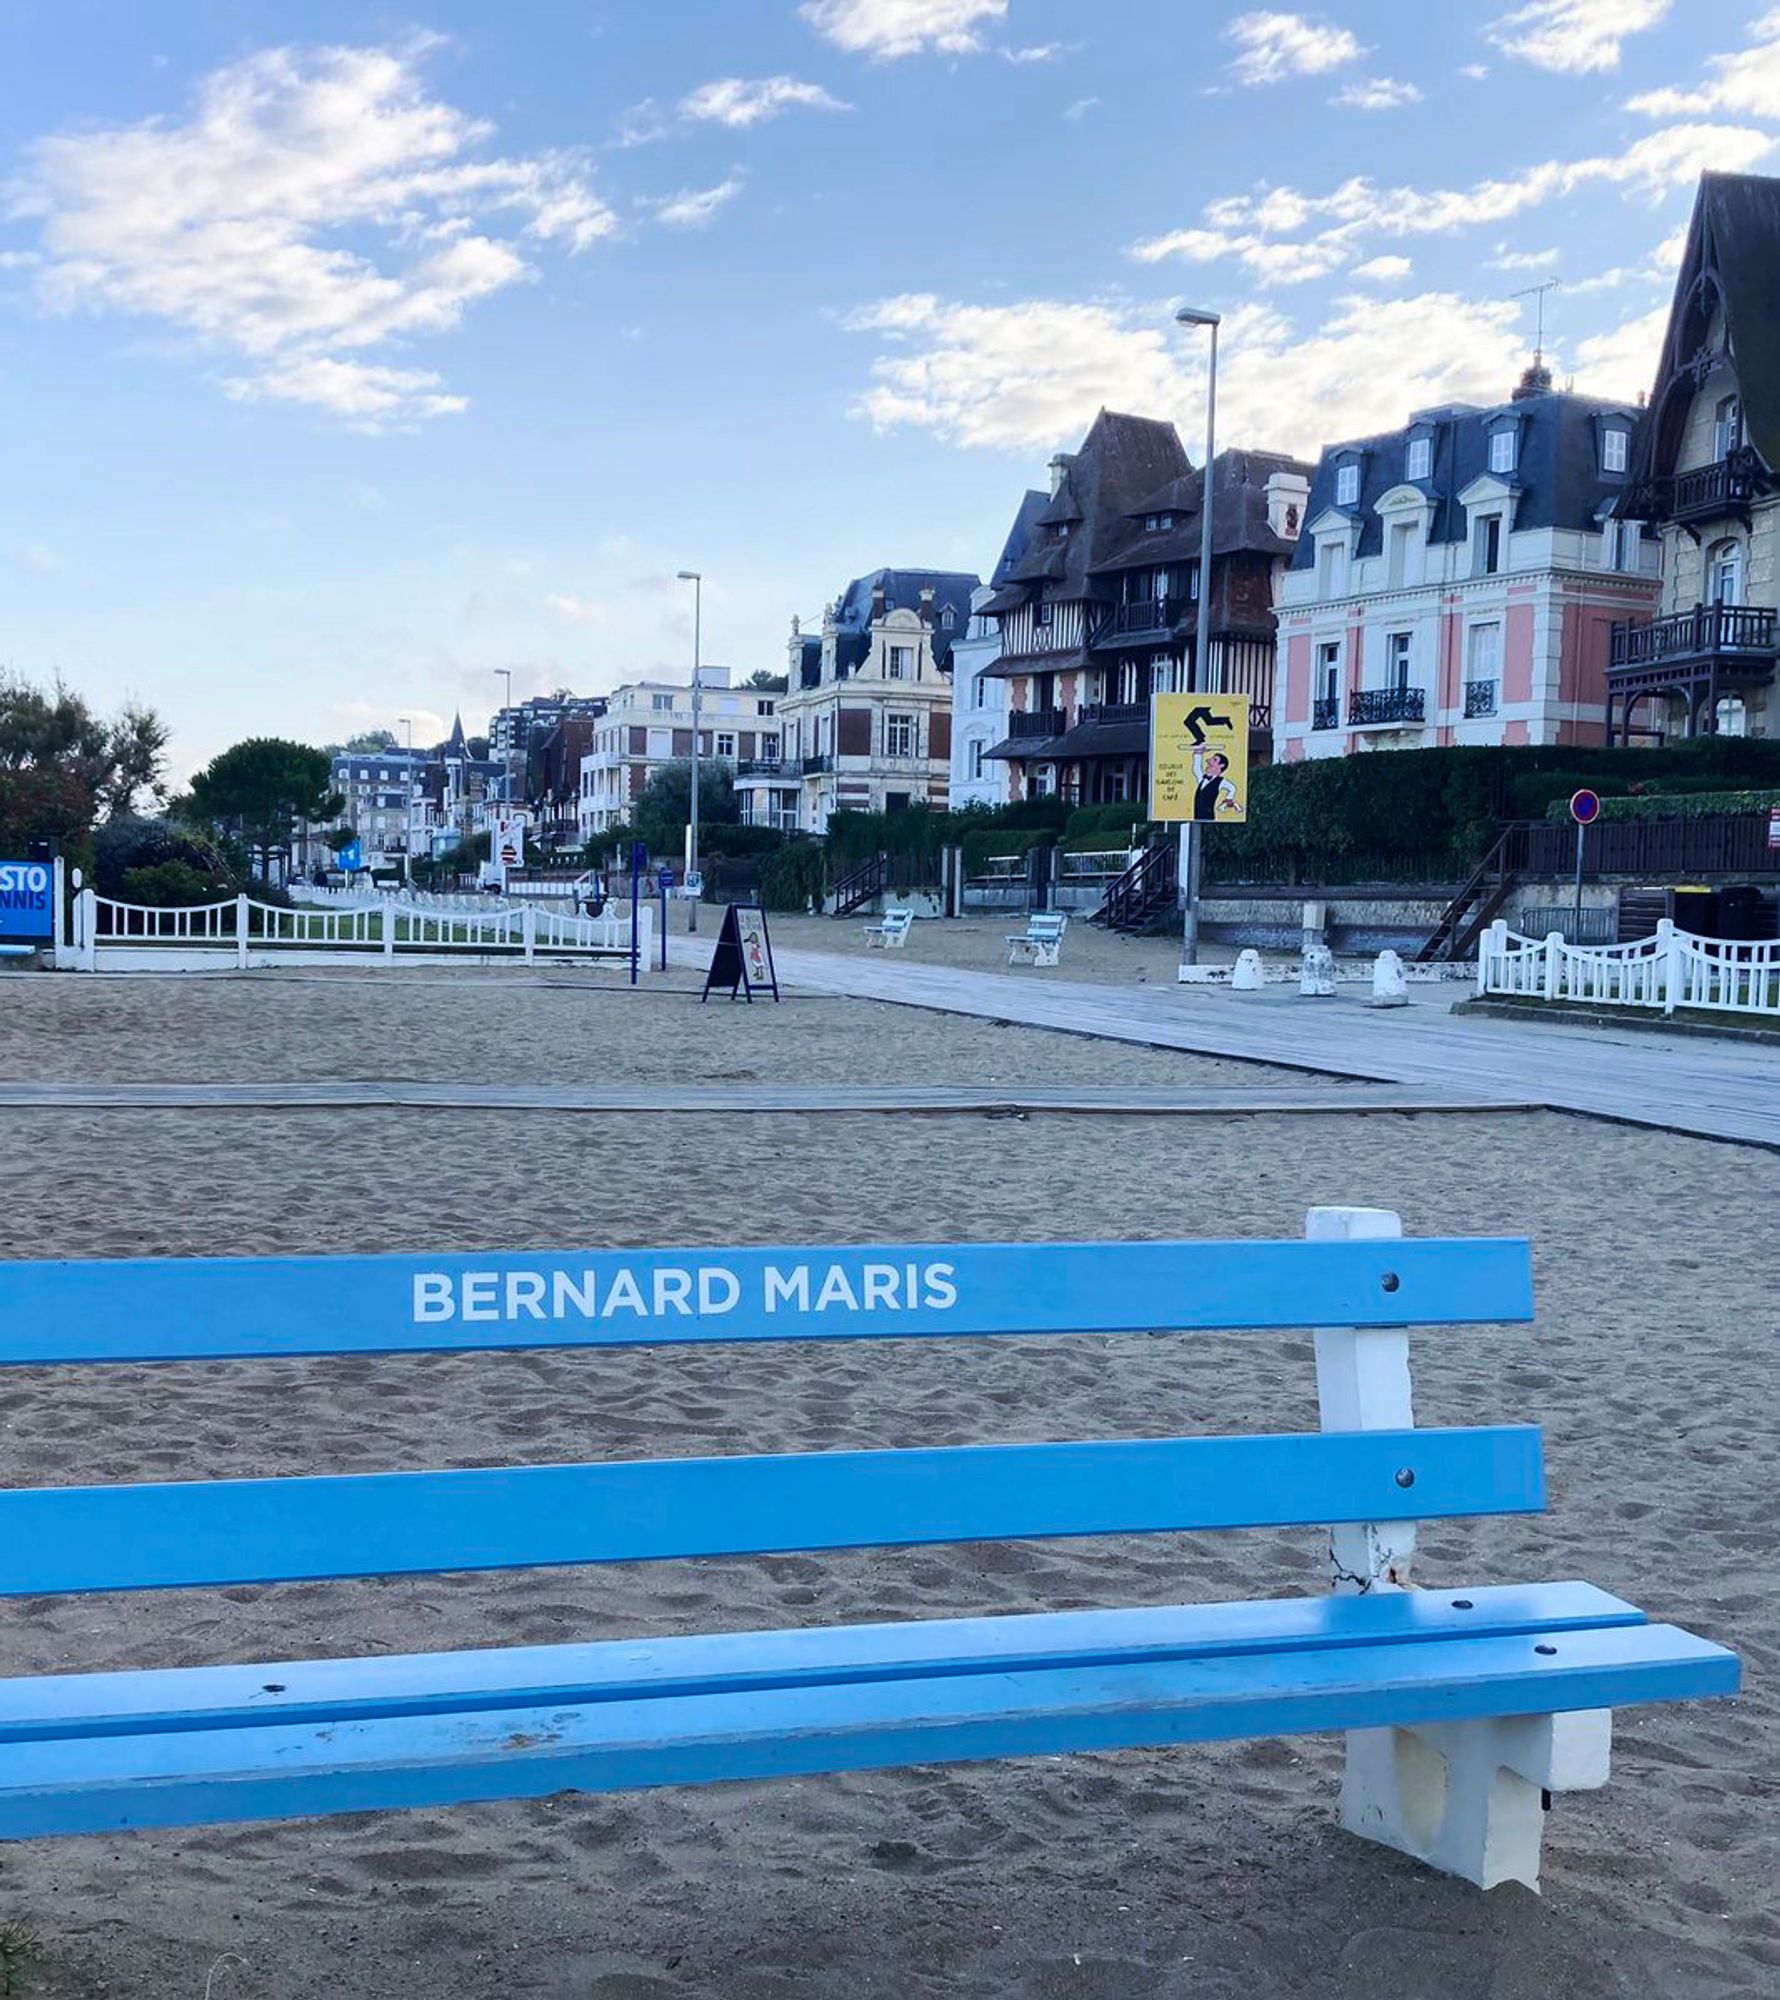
(1145, 894)
(1473, 909)
(865, 885)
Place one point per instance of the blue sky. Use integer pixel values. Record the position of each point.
(350, 355)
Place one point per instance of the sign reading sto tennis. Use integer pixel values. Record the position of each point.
(1199, 757)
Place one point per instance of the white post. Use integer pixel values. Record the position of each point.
(1465, 1797)
(1490, 950)
(1554, 962)
(86, 931)
(387, 916)
(528, 931)
(1674, 964)
(241, 933)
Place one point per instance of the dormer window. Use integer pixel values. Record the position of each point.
(1502, 451)
(1041, 608)
(1347, 486)
(1615, 446)
(1418, 460)
(947, 619)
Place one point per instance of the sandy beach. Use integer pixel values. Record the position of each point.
(1179, 1876)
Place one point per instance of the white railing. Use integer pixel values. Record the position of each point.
(1669, 970)
(382, 927)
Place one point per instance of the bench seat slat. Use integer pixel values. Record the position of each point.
(265, 1530)
(89, 1784)
(165, 1309)
(317, 1691)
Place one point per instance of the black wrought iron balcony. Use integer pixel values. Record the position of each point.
(1480, 699)
(765, 767)
(1030, 722)
(1326, 714)
(813, 765)
(1386, 707)
(1112, 713)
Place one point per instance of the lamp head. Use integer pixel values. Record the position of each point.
(1196, 316)
(689, 576)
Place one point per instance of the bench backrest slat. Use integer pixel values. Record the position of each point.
(259, 1531)
(164, 1309)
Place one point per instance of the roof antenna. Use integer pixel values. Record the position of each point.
(1537, 380)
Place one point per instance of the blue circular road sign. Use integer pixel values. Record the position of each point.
(1585, 807)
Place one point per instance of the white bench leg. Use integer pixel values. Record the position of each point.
(1466, 1797)
(1047, 954)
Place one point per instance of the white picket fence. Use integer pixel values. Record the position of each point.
(1669, 970)
(106, 933)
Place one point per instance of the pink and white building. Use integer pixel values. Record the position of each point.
(1458, 580)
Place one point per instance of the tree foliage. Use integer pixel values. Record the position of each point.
(129, 845)
(64, 769)
(261, 789)
(665, 806)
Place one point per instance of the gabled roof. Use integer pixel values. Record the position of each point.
(1019, 536)
(1122, 459)
(1731, 263)
(456, 746)
(1239, 513)
(952, 590)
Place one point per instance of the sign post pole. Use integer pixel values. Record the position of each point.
(1585, 808)
(638, 853)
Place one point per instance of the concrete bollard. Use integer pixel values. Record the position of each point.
(1390, 988)
(1248, 976)
(1316, 977)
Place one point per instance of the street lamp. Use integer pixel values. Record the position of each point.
(506, 674)
(696, 579)
(1189, 832)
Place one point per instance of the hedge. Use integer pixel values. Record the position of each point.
(1676, 805)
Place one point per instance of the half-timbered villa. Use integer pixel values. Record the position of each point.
(1101, 610)
(1705, 474)
(1459, 580)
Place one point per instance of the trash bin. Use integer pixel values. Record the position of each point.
(1696, 910)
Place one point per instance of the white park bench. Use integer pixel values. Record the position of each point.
(1041, 942)
(892, 933)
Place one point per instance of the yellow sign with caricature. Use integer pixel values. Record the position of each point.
(1199, 758)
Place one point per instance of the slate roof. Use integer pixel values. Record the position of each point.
(1239, 513)
(1732, 255)
(952, 589)
(1019, 536)
(1557, 478)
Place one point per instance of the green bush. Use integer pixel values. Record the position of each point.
(794, 877)
(130, 845)
(1676, 805)
(736, 842)
(168, 885)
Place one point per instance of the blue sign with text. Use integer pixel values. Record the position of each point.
(27, 900)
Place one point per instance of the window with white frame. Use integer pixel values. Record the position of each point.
(976, 760)
(1615, 446)
(899, 735)
(1328, 678)
(769, 747)
(902, 663)
(1418, 461)
(1724, 572)
(981, 692)
(764, 707)
(1486, 545)
(1396, 660)
(663, 704)
(725, 743)
(1727, 427)
(1483, 653)
(1041, 608)
(1331, 565)
(1347, 486)
(1502, 451)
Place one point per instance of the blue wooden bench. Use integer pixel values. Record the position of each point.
(1464, 1705)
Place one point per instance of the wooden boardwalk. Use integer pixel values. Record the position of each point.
(926, 1099)
(1715, 1090)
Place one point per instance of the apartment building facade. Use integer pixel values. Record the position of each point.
(649, 723)
(980, 699)
(1459, 580)
(867, 720)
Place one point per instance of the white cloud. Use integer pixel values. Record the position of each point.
(579, 610)
(1522, 260)
(886, 29)
(693, 208)
(1384, 270)
(642, 125)
(1080, 109)
(1273, 46)
(1623, 362)
(1746, 82)
(1262, 231)
(38, 559)
(1039, 52)
(1377, 93)
(1475, 72)
(19, 260)
(1578, 37)
(1029, 376)
(740, 102)
(367, 396)
(315, 203)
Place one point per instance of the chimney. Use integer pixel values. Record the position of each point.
(1059, 466)
(927, 604)
(1286, 494)
(877, 602)
(1535, 382)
